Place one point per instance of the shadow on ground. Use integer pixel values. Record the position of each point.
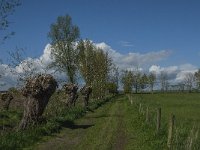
(71, 125)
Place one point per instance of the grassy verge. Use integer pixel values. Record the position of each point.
(101, 136)
(56, 113)
(185, 107)
(100, 129)
(117, 125)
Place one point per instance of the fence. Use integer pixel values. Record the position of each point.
(172, 137)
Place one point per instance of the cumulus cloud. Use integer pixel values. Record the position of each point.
(175, 73)
(10, 76)
(132, 60)
(169, 70)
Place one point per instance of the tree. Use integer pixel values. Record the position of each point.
(64, 35)
(181, 86)
(38, 91)
(136, 80)
(151, 80)
(86, 91)
(102, 66)
(7, 8)
(112, 87)
(86, 60)
(164, 81)
(6, 100)
(197, 78)
(71, 90)
(127, 81)
(113, 80)
(114, 75)
(189, 81)
(94, 66)
(143, 81)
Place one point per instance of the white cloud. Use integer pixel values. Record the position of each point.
(157, 69)
(126, 44)
(188, 67)
(10, 76)
(132, 60)
(46, 57)
(123, 61)
(175, 73)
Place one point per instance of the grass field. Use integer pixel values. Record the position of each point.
(117, 124)
(185, 107)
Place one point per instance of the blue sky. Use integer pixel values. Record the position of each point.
(147, 25)
(127, 26)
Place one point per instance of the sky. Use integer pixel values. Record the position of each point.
(155, 35)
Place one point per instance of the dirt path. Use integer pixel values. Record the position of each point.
(121, 138)
(101, 129)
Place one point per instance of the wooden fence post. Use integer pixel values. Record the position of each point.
(158, 125)
(170, 132)
(140, 108)
(131, 100)
(147, 115)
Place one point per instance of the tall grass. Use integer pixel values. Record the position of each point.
(185, 107)
(55, 115)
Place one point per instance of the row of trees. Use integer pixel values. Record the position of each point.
(137, 80)
(74, 57)
(140, 81)
(78, 57)
(71, 55)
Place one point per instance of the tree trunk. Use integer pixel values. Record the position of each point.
(38, 91)
(86, 91)
(6, 99)
(71, 91)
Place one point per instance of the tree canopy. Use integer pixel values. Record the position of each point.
(63, 35)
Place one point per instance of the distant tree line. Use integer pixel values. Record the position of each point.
(136, 81)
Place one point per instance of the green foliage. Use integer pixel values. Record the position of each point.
(55, 116)
(101, 72)
(114, 75)
(112, 88)
(63, 35)
(151, 80)
(137, 80)
(9, 119)
(94, 66)
(143, 81)
(127, 81)
(87, 55)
